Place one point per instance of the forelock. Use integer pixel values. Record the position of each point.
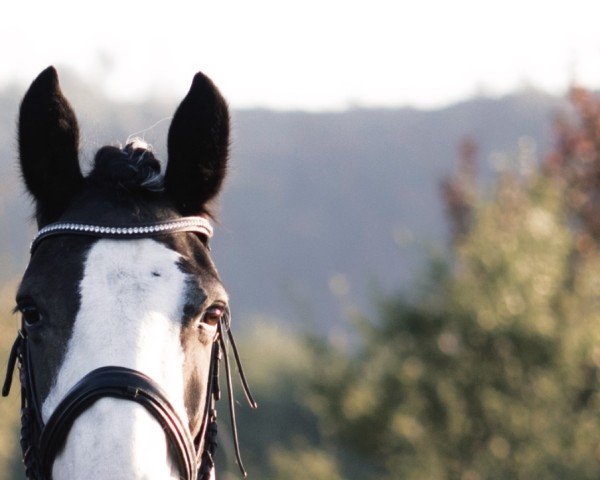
(132, 168)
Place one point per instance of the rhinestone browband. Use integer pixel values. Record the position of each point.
(186, 224)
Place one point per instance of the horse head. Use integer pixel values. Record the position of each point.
(124, 315)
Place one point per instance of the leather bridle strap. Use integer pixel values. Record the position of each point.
(206, 440)
(224, 326)
(123, 383)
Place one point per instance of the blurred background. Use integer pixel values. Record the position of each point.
(410, 229)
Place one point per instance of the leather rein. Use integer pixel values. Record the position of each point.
(41, 442)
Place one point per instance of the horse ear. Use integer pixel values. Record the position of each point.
(48, 147)
(198, 146)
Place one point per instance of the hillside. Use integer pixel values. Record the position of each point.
(315, 202)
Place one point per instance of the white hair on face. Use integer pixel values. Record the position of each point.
(131, 302)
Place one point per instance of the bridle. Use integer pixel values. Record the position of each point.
(41, 442)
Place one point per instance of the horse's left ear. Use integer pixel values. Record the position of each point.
(48, 147)
(198, 146)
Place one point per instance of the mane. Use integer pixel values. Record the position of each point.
(132, 168)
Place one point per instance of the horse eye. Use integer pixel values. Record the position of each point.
(213, 315)
(204, 240)
(31, 315)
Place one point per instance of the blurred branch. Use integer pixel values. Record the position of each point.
(575, 159)
(459, 190)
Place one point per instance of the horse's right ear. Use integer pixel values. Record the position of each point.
(48, 147)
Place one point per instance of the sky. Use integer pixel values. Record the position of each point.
(309, 54)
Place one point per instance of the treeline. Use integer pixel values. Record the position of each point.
(490, 368)
(487, 368)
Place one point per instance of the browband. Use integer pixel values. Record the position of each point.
(199, 225)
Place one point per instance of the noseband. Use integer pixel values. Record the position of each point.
(41, 442)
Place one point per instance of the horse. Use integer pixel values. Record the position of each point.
(124, 318)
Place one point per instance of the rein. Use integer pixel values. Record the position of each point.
(40, 443)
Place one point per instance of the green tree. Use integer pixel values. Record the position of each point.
(492, 372)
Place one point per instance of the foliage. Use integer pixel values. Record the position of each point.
(275, 438)
(304, 462)
(494, 373)
(459, 191)
(575, 159)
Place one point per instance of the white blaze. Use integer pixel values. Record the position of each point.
(131, 303)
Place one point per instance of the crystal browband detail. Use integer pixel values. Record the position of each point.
(198, 225)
